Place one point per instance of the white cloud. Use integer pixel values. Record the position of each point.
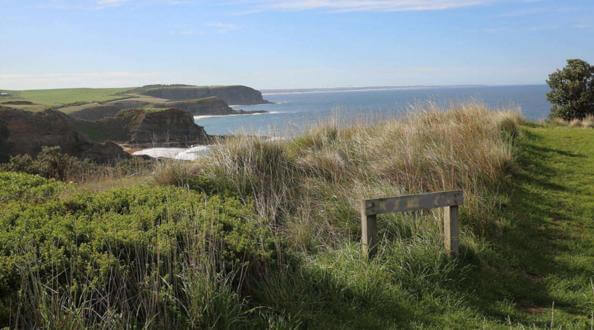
(265, 5)
(110, 3)
(360, 5)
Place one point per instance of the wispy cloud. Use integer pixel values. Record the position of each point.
(541, 10)
(359, 5)
(100, 4)
(292, 5)
(110, 3)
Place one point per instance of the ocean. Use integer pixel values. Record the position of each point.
(294, 111)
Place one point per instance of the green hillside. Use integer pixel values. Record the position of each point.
(265, 234)
(54, 97)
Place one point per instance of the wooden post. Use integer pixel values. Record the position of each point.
(368, 232)
(449, 200)
(450, 228)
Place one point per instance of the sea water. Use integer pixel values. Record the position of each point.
(290, 113)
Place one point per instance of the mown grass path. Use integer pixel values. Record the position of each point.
(551, 222)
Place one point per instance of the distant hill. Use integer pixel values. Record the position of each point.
(237, 95)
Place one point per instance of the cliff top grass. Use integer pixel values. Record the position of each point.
(70, 100)
(265, 234)
(55, 97)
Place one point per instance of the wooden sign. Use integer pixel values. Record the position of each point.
(449, 200)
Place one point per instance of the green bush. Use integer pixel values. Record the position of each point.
(49, 163)
(26, 188)
(572, 90)
(133, 253)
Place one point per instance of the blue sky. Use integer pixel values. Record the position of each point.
(289, 43)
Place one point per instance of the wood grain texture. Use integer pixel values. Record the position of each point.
(413, 202)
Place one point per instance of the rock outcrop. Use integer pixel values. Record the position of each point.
(23, 132)
(110, 109)
(141, 129)
(238, 95)
(201, 107)
(197, 107)
(27, 132)
(104, 152)
(167, 128)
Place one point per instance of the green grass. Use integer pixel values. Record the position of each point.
(526, 263)
(527, 235)
(533, 268)
(550, 233)
(54, 97)
(69, 256)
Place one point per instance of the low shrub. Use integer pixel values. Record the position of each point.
(52, 163)
(122, 257)
(49, 163)
(26, 188)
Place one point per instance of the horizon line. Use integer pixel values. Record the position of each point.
(297, 89)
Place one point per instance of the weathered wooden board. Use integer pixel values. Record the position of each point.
(413, 202)
(448, 200)
(450, 230)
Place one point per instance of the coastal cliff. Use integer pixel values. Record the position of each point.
(26, 132)
(167, 128)
(197, 107)
(238, 95)
(23, 132)
(108, 109)
(140, 129)
(201, 107)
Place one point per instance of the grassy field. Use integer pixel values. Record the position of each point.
(266, 234)
(55, 97)
(550, 235)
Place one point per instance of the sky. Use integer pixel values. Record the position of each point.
(271, 44)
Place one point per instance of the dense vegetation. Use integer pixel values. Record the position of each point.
(264, 234)
(53, 164)
(572, 91)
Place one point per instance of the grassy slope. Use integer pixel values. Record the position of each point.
(551, 236)
(535, 269)
(53, 97)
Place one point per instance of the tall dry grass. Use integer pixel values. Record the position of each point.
(309, 187)
(586, 122)
(308, 190)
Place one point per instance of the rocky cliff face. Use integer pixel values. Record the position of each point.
(4, 152)
(23, 132)
(168, 128)
(200, 107)
(110, 109)
(197, 107)
(239, 95)
(141, 129)
(26, 132)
